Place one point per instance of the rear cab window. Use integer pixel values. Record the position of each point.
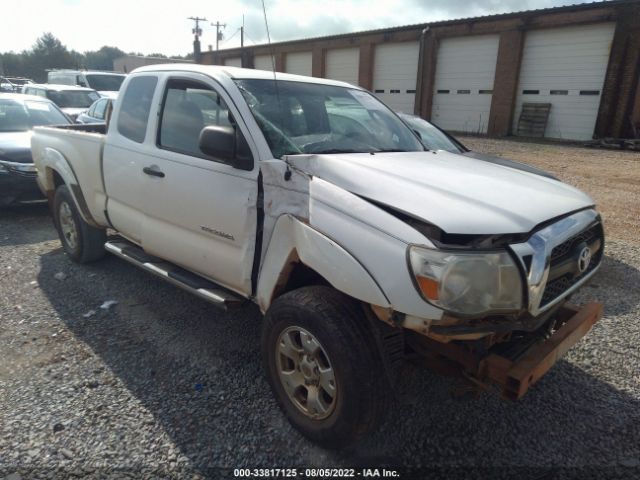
(136, 105)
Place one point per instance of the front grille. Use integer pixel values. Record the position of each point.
(561, 253)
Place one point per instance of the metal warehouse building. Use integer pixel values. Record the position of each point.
(580, 62)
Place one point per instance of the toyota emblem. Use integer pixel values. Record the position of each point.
(584, 259)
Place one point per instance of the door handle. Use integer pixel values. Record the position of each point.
(153, 172)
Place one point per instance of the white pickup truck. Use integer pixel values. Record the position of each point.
(312, 199)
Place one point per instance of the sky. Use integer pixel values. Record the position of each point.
(160, 26)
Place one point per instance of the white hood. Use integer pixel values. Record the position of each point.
(456, 193)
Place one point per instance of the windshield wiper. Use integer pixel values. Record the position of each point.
(389, 150)
(337, 150)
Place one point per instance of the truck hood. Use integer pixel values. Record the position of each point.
(486, 157)
(456, 193)
(16, 147)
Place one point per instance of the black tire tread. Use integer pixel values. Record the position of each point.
(91, 239)
(346, 320)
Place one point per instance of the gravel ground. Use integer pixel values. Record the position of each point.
(163, 385)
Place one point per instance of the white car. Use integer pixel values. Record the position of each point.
(72, 100)
(312, 199)
(104, 83)
(99, 110)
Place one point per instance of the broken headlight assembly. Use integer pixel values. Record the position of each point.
(467, 283)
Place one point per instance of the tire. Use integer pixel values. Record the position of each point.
(328, 319)
(81, 242)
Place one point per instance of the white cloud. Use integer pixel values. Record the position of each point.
(162, 27)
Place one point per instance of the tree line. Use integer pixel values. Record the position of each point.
(48, 52)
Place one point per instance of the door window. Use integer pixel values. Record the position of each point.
(188, 108)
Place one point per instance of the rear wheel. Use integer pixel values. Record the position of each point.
(323, 366)
(81, 241)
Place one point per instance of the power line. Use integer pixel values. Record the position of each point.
(250, 39)
(234, 34)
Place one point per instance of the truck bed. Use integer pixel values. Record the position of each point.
(76, 150)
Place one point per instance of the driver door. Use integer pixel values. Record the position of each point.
(200, 211)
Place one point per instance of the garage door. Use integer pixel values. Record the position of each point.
(342, 65)
(233, 62)
(566, 68)
(298, 63)
(263, 62)
(395, 73)
(465, 70)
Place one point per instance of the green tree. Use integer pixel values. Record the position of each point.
(12, 64)
(48, 52)
(102, 59)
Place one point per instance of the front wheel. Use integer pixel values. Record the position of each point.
(81, 241)
(323, 366)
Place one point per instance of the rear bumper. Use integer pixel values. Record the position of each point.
(515, 377)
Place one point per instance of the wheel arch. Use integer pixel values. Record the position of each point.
(56, 171)
(298, 255)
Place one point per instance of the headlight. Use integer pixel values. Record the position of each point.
(467, 283)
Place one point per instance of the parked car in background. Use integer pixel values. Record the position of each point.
(18, 115)
(71, 99)
(6, 85)
(19, 83)
(98, 111)
(102, 82)
(434, 138)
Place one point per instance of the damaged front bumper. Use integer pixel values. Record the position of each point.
(515, 376)
(516, 364)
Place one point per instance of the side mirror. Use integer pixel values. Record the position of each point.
(226, 143)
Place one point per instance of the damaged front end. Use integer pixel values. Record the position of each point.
(511, 361)
(497, 336)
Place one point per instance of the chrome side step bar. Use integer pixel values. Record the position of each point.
(184, 279)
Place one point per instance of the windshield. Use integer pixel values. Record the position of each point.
(18, 116)
(431, 136)
(105, 82)
(73, 98)
(300, 117)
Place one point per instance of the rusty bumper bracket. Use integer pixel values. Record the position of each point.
(515, 377)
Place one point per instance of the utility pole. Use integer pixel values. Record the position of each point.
(242, 33)
(218, 25)
(197, 31)
(243, 59)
